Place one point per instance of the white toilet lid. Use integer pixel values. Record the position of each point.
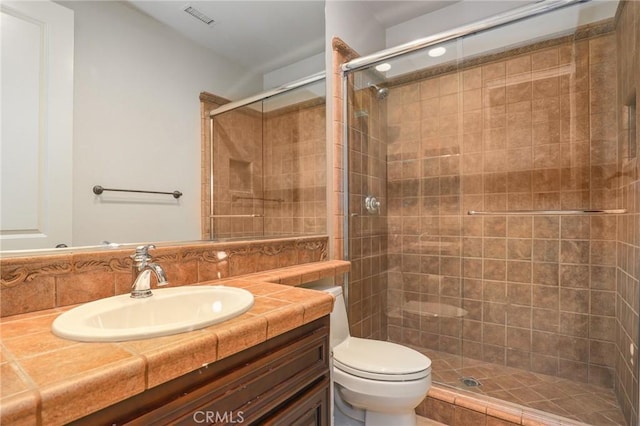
(380, 360)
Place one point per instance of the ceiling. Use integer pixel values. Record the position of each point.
(390, 13)
(267, 35)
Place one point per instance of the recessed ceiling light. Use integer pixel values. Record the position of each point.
(383, 67)
(437, 51)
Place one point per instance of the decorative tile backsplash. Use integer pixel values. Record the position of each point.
(30, 284)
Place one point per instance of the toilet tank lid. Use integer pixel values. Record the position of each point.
(334, 290)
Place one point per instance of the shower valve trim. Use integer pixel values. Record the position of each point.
(372, 204)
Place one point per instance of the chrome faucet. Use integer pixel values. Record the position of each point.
(142, 267)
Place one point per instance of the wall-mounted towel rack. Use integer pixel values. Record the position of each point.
(237, 197)
(99, 190)
(545, 212)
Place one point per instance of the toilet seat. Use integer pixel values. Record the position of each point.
(378, 360)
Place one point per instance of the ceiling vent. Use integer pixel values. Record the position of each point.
(198, 15)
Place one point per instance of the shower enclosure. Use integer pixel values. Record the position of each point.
(267, 172)
(492, 208)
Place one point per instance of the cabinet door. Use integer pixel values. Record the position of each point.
(310, 409)
(284, 380)
(255, 390)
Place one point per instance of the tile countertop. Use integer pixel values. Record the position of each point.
(48, 380)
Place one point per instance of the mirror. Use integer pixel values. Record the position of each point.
(138, 70)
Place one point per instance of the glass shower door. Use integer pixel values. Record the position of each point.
(269, 166)
(237, 173)
(504, 175)
(404, 150)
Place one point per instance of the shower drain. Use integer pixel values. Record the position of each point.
(470, 381)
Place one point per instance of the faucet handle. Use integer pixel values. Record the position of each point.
(144, 249)
(142, 252)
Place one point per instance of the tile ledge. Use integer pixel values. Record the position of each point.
(230, 338)
(498, 409)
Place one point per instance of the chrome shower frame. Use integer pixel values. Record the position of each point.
(499, 20)
(269, 93)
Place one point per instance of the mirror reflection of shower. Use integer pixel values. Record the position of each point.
(266, 174)
(381, 92)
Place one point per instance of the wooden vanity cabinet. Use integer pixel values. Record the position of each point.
(283, 381)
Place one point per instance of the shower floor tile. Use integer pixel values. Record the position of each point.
(590, 404)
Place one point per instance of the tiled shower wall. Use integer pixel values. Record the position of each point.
(295, 169)
(531, 130)
(367, 231)
(272, 165)
(237, 173)
(628, 191)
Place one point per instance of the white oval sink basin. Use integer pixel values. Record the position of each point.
(169, 311)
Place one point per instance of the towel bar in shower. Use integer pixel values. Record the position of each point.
(544, 212)
(99, 190)
(237, 197)
(235, 215)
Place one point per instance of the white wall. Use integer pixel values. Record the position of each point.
(352, 22)
(447, 18)
(296, 71)
(137, 123)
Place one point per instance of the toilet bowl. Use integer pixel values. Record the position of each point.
(375, 383)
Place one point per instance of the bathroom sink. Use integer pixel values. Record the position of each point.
(169, 311)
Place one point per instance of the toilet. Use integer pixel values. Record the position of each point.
(375, 383)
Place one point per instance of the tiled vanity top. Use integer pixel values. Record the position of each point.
(48, 380)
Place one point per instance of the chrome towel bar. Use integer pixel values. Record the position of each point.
(237, 197)
(99, 190)
(235, 215)
(545, 212)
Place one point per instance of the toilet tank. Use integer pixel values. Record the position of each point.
(339, 323)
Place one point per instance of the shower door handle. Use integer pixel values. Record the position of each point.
(372, 204)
